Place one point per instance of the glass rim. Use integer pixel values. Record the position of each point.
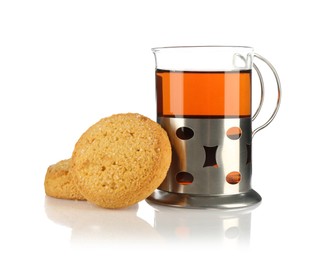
(155, 49)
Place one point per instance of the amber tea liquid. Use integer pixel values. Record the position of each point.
(203, 94)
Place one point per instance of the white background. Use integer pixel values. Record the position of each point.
(66, 64)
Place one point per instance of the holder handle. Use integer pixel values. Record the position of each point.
(278, 83)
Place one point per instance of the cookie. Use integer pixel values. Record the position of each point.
(58, 182)
(121, 160)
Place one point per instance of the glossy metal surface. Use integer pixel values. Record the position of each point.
(208, 155)
(235, 201)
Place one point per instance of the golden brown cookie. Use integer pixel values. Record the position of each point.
(58, 182)
(121, 160)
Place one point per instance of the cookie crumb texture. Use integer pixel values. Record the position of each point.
(121, 160)
(59, 183)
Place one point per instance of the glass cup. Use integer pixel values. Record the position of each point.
(203, 96)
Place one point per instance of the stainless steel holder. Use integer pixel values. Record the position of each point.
(209, 169)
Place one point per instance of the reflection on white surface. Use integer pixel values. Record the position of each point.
(210, 226)
(91, 225)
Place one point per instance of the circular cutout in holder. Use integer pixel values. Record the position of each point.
(185, 133)
(233, 177)
(234, 133)
(184, 178)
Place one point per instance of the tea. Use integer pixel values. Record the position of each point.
(203, 94)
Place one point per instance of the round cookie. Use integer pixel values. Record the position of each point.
(58, 182)
(121, 160)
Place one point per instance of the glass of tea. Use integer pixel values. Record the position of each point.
(203, 96)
